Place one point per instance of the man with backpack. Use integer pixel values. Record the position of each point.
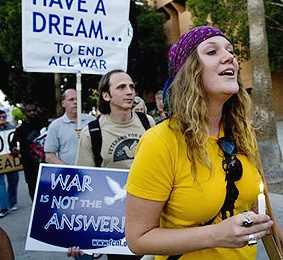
(110, 140)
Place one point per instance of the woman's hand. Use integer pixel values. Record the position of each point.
(145, 236)
(15, 152)
(74, 251)
(236, 231)
(78, 132)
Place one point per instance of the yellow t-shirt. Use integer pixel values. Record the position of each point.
(161, 171)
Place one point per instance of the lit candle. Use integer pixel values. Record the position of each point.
(18, 145)
(261, 200)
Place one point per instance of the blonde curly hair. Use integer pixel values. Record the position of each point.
(188, 104)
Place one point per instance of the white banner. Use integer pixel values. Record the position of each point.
(6, 137)
(8, 163)
(70, 36)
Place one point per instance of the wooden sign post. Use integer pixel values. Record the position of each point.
(272, 243)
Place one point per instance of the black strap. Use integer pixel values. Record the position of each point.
(144, 120)
(96, 140)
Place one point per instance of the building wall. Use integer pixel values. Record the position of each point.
(277, 89)
(179, 21)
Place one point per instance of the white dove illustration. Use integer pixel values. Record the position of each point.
(130, 151)
(119, 193)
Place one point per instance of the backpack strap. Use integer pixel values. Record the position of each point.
(96, 140)
(144, 120)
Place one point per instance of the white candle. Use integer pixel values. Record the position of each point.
(18, 145)
(261, 201)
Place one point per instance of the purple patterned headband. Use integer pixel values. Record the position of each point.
(181, 50)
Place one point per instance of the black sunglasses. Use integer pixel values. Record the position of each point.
(231, 164)
(234, 171)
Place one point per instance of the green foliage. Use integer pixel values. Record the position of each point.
(18, 114)
(232, 18)
(10, 36)
(147, 60)
(18, 85)
(274, 27)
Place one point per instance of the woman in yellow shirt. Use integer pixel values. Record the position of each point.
(193, 185)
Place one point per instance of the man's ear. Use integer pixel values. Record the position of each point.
(106, 96)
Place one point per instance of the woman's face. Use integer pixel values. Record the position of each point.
(139, 108)
(220, 67)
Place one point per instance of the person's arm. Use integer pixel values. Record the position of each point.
(6, 250)
(52, 158)
(144, 235)
(85, 156)
(13, 145)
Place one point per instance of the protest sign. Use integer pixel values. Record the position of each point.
(70, 36)
(8, 163)
(6, 137)
(79, 206)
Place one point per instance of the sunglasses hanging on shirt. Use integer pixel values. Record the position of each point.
(234, 171)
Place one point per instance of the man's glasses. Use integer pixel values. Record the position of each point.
(2, 116)
(234, 171)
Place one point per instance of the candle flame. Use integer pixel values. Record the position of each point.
(261, 187)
